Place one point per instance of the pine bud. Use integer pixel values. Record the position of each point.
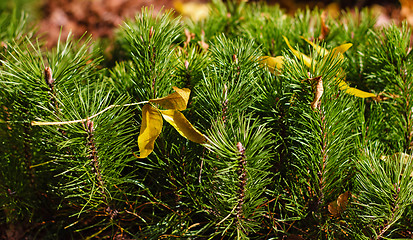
(89, 125)
(235, 59)
(240, 148)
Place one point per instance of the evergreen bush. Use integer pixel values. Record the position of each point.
(232, 127)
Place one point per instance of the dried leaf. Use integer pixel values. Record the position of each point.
(48, 77)
(183, 126)
(338, 206)
(324, 29)
(274, 64)
(151, 127)
(176, 101)
(407, 10)
(318, 92)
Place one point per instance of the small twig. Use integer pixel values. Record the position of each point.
(36, 123)
(225, 218)
(200, 171)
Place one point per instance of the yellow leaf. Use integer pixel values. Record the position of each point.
(183, 126)
(196, 11)
(319, 50)
(306, 59)
(337, 50)
(324, 52)
(342, 48)
(176, 101)
(151, 127)
(274, 64)
(333, 9)
(338, 206)
(354, 91)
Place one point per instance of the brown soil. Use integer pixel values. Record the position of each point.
(97, 17)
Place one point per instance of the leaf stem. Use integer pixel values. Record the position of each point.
(37, 123)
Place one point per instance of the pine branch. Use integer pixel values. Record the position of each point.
(150, 42)
(241, 173)
(391, 68)
(382, 213)
(292, 150)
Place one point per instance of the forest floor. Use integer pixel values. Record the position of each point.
(100, 17)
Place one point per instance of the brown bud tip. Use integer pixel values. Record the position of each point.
(186, 64)
(187, 32)
(89, 125)
(151, 31)
(235, 59)
(204, 45)
(48, 76)
(240, 148)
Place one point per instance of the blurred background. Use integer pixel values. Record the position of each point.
(100, 17)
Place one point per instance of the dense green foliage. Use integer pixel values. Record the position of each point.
(274, 166)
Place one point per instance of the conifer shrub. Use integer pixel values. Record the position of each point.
(249, 124)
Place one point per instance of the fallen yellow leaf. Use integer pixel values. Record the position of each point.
(323, 52)
(177, 100)
(354, 91)
(196, 11)
(151, 127)
(274, 64)
(183, 126)
(307, 60)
